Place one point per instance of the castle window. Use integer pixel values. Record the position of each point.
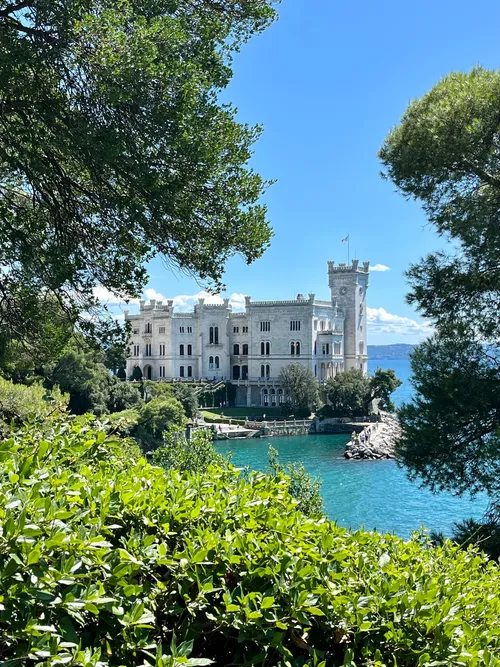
(268, 371)
(244, 329)
(265, 326)
(190, 371)
(297, 348)
(236, 372)
(245, 349)
(361, 347)
(181, 329)
(268, 348)
(337, 348)
(162, 371)
(273, 398)
(292, 349)
(216, 335)
(147, 327)
(216, 362)
(322, 325)
(262, 371)
(236, 330)
(326, 348)
(265, 398)
(262, 349)
(161, 330)
(244, 372)
(295, 325)
(314, 347)
(190, 350)
(181, 350)
(136, 350)
(280, 396)
(315, 371)
(211, 336)
(190, 329)
(236, 349)
(135, 331)
(210, 362)
(148, 350)
(181, 371)
(162, 350)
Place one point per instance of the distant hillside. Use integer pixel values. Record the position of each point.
(398, 351)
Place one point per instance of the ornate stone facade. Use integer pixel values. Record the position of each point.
(250, 348)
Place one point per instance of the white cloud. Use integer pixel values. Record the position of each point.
(379, 267)
(380, 321)
(184, 302)
(110, 299)
(153, 294)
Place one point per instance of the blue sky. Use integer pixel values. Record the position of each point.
(328, 81)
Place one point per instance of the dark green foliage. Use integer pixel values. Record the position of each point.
(300, 388)
(325, 412)
(121, 374)
(305, 489)
(183, 392)
(122, 396)
(445, 154)
(194, 455)
(106, 560)
(484, 535)
(82, 375)
(137, 373)
(115, 147)
(347, 393)
(352, 394)
(155, 417)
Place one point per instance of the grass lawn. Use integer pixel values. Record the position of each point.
(245, 412)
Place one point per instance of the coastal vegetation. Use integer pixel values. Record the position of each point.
(444, 153)
(300, 388)
(108, 560)
(352, 393)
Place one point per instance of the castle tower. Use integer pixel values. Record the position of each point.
(348, 285)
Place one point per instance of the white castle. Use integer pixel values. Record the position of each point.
(250, 348)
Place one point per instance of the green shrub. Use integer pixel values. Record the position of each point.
(18, 402)
(325, 412)
(107, 560)
(214, 418)
(304, 488)
(194, 455)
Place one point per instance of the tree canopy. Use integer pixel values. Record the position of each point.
(352, 393)
(446, 154)
(300, 388)
(115, 147)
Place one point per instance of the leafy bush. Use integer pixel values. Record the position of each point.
(194, 455)
(107, 560)
(18, 402)
(156, 417)
(214, 418)
(123, 396)
(325, 412)
(304, 488)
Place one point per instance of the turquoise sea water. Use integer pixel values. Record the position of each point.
(373, 494)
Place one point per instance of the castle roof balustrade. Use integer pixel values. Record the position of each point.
(293, 302)
(349, 268)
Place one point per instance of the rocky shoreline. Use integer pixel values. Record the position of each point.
(381, 445)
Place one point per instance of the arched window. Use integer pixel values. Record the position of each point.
(262, 371)
(211, 336)
(262, 349)
(148, 327)
(216, 335)
(268, 370)
(181, 350)
(190, 350)
(245, 349)
(292, 349)
(216, 362)
(273, 398)
(236, 349)
(236, 372)
(265, 398)
(210, 362)
(322, 325)
(244, 372)
(280, 396)
(315, 371)
(322, 371)
(268, 348)
(190, 371)
(297, 348)
(314, 347)
(181, 373)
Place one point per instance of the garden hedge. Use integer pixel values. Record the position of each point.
(108, 560)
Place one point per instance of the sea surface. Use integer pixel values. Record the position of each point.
(369, 494)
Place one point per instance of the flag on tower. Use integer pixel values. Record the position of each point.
(346, 239)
